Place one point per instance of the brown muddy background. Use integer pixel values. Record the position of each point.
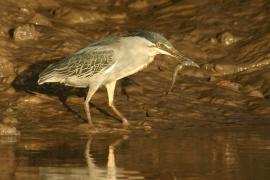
(214, 125)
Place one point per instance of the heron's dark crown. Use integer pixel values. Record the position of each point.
(152, 37)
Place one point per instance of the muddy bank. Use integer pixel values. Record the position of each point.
(227, 45)
(226, 100)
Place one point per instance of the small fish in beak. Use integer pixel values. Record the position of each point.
(184, 61)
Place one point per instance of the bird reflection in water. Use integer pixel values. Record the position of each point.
(65, 169)
(112, 172)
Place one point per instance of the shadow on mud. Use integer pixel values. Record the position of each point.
(27, 81)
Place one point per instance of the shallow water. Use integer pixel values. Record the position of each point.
(214, 125)
(173, 153)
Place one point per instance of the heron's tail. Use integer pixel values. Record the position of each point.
(41, 80)
(48, 78)
(49, 75)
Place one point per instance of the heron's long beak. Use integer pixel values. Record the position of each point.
(185, 61)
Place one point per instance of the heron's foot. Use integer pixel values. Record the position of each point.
(125, 122)
(120, 115)
(91, 125)
(170, 91)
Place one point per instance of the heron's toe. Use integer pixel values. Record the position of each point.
(170, 91)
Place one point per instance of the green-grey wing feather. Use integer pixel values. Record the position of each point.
(82, 64)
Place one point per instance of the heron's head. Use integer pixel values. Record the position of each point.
(163, 46)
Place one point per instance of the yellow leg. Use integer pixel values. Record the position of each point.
(90, 93)
(110, 90)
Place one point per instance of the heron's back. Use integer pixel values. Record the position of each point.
(77, 69)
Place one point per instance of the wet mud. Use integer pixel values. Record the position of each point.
(214, 123)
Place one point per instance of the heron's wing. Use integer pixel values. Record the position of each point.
(85, 63)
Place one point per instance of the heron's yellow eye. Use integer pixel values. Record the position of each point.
(159, 45)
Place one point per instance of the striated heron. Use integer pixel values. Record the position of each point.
(108, 60)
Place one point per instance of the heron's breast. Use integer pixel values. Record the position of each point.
(128, 67)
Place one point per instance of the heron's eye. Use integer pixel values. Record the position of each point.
(159, 45)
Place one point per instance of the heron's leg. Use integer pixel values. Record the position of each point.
(110, 90)
(176, 70)
(90, 93)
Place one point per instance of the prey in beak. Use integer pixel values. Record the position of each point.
(184, 61)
